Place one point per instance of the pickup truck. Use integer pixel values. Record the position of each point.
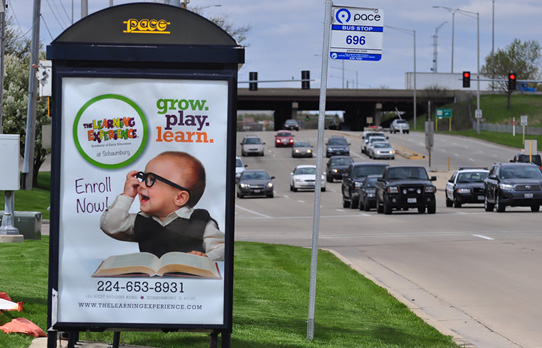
(353, 178)
(405, 187)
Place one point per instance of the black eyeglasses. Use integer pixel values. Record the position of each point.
(150, 178)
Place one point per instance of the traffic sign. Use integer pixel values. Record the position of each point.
(524, 120)
(478, 113)
(444, 113)
(356, 33)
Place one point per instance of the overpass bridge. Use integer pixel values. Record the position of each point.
(357, 104)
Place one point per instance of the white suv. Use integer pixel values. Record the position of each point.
(399, 125)
(252, 145)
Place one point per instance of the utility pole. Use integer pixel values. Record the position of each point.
(435, 47)
(2, 50)
(30, 138)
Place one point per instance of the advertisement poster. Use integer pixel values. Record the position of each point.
(143, 168)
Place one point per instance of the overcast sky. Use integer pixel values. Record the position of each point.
(287, 36)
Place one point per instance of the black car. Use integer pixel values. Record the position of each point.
(513, 184)
(405, 187)
(255, 183)
(465, 186)
(528, 158)
(353, 177)
(336, 166)
(337, 145)
(291, 124)
(367, 193)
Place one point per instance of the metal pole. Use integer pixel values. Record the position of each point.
(28, 164)
(84, 8)
(2, 50)
(493, 46)
(478, 72)
(415, 112)
(453, 34)
(318, 186)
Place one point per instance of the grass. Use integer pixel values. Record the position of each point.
(36, 199)
(271, 289)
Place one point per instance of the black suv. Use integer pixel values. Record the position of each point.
(353, 178)
(336, 166)
(337, 145)
(513, 184)
(404, 187)
(528, 158)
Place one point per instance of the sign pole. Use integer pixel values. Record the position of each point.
(317, 189)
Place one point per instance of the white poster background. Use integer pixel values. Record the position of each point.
(82, 245)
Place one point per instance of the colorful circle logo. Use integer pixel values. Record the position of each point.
(110, 131)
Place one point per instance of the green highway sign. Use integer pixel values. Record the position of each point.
(444, 113)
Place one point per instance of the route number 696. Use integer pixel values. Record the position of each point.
(355, 40)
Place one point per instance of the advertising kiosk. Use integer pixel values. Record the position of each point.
(143, 158)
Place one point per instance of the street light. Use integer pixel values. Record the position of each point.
(413, 32)
(343, 69)
(452, 11)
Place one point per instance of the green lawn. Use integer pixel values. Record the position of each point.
(271, 287)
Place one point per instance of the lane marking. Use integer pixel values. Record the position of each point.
(253, 212)
(483, 237)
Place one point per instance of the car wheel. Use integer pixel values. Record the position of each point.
(379, 208)
(449, 202)
(294, 188)
(488, 206)
(291, 187)
(457, 204)
(387, 207)
(535, 208)
(346, 204)
(366, 206)
(421, 209)
(499, 207)
(329, 178)
(270, 195)
(431, 208)
(323, 189)
(354, 203)
(240, 195)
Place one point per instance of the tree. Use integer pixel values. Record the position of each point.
(17, 62)
(238, 33)
(521, 58)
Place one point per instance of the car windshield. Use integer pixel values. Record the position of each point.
(260, 175)
(284, 134)
(407, 173)
(471, 177)
(341, 161)
(305, 170)
(362, 171)
(238, 162)
(527, 158)
(371, 182)
(381, 144)
(376, 139)
(401, 121)
(301, 144)
(523, 172)
(252, 141)
(291, 122)
(337, 141)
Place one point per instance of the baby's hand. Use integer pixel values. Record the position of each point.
(131, 184)
(199, 253)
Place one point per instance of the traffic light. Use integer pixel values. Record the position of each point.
(466, 79)
(253, 78)
(306, 79)
(512, 81)
(307, 118)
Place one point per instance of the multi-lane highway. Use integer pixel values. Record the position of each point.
(466, 271)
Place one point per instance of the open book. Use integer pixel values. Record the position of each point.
(174, 264)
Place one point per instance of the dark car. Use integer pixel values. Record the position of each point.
(528, 158)
(367, 193)
(465, 186)
(291, 125)
(405, 187)
(336, 166)
(337, 145)
(255, 183)
(353, 177)
(513, 184)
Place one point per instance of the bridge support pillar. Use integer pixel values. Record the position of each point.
(356, 117)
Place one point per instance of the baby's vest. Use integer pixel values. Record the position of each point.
(181, 234)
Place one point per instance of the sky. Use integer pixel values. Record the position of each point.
(286, 36)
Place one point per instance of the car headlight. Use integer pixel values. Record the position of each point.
(357, 184)
(309, 151)
(506, 187)
(430, 189)
(393, 189)
(269, 185)
(244, 185)
(370, 195)
(298, 180)
(335, 171)
(463, 191)
(296, 151)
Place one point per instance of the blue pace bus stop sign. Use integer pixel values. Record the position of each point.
(356, 33)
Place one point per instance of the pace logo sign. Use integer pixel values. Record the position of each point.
(356, 33)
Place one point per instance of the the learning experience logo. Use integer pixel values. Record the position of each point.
(110, 131)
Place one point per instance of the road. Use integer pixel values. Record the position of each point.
(466, 271)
